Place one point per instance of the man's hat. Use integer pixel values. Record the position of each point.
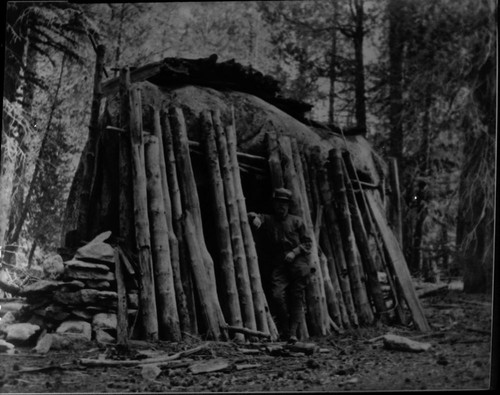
(282, 194)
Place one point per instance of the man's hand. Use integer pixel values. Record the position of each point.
(290, 257)
(254, 220)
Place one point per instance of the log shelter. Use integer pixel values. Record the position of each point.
(179, 152)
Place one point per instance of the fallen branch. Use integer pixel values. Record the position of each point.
(246, 331)
(135, 362)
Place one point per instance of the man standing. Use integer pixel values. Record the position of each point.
(288, 259)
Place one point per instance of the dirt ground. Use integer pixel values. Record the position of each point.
(459, 359)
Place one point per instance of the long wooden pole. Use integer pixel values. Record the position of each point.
(146, 283)
(240, 259)
(259, 297)
(337, 265)
(190, 200)
(168, 316)
(398, 263)
(353, 260)
(362, 240)
(223, 233)
(315, 291)
(180, 296)
(177, 214)
(315, 312)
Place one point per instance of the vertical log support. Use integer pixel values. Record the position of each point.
(362, 239)
(121, 314)
(240, 260)
(226, 261)
(125, 197)
(90, 153)
(177, 214)
(333, 243)
(146, 283)
(259, 298)
(360, 296)
(164, 281)
(173, 243)
(315, 291)
(190, 202)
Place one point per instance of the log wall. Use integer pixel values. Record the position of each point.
(183, 290)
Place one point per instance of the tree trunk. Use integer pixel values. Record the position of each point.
(182, 309)
(259, 298)
(335, 240)
(177, 213)
(89, 171)
(146, 283)
(240, 259)
(396, 46)
(162, 266)
(226, 261)
(331, 296)
(359, 65)
(332, 74)
(360, 297)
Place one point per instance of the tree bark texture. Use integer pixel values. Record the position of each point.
(121, 313)
(141, 222)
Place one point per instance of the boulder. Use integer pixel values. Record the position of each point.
(105, 321)
(69, 341)
(83, 314)
(21, 332)
(7, 320)
(79, 327)
(44, 343)
(102, 336)
(48, 286)
(81, 265)
(92, 275)
(6, 347)
(87, 297)
(53, 266)
(97, 250)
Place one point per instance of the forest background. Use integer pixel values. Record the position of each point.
(419, 76)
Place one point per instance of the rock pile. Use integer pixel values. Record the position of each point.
(77, 303)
